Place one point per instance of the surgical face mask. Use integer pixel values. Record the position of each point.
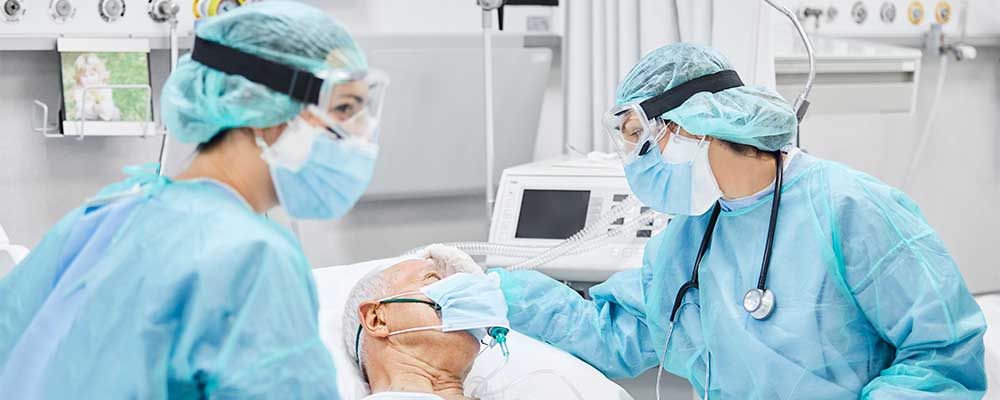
(466, 302)
(678, 181)
(316, 175)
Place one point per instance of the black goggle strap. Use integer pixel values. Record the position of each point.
(298, 84)
(662, 103)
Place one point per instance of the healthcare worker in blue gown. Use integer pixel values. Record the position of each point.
(180, 287)
(865, 301)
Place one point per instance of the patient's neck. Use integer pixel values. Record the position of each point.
(393, 370)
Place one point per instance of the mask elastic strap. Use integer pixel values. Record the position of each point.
(700, 142)
(261, 143)
(396, 296)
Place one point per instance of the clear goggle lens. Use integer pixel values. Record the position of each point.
(351, 106)
(629, 129)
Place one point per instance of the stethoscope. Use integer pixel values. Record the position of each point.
(759, 301)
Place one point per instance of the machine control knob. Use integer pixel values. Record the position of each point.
(888, 12)
(915, 13)
(832, 13)
(227, 6)
(942, 13)
(111, 10)
(859, 12)
(61, 10)
(164, 10)
(13, 10)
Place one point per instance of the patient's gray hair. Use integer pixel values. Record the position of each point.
(374, 285)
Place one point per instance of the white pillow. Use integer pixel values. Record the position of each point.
(528, 356)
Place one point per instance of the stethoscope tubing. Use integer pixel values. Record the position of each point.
(706, 240)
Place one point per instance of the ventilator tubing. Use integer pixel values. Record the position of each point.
(593, 236)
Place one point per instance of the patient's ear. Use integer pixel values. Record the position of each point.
(373, 319)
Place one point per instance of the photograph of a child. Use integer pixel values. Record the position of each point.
(81, 71)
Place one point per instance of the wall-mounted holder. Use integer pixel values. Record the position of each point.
(105, 90)
(82, 127)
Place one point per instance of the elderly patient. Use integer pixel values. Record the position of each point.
(404, 354)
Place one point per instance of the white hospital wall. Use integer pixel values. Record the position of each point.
(43, 179)
(957, 184)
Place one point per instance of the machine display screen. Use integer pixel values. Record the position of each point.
(552, 214)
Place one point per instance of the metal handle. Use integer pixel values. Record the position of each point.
(802, 102)
(45, 125)
(144, 126)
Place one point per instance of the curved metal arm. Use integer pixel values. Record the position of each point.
(802, 102)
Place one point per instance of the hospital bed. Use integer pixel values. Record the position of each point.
(535, 371)
(528, 356)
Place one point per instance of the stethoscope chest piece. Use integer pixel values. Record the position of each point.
(759, 303)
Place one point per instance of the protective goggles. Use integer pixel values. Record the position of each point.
(634, 127)
(349, 104)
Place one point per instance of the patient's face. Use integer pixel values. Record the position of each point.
(453, 351)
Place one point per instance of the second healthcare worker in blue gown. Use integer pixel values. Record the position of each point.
(867, 303)
(181, 288)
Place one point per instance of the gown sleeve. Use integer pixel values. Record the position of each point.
(609, 332)
(25, 288)
(251, 327)
(913, 294)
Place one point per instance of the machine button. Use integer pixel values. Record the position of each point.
(859, 12)
(942, 13)
(13, 10)
(619, 221)
(888, 12)
(619, 197)
(111, 10)
(62, 11)
(915, 12)
(645, 233)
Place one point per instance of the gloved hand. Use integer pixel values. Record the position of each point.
(450, 259)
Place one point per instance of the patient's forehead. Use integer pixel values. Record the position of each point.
(411, 275)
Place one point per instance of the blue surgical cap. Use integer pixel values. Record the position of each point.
(198, 102)
(754, 116)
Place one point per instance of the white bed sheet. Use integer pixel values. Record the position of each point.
(527, 355)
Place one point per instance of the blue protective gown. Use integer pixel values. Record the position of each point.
(869, 304)
(179, 292)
